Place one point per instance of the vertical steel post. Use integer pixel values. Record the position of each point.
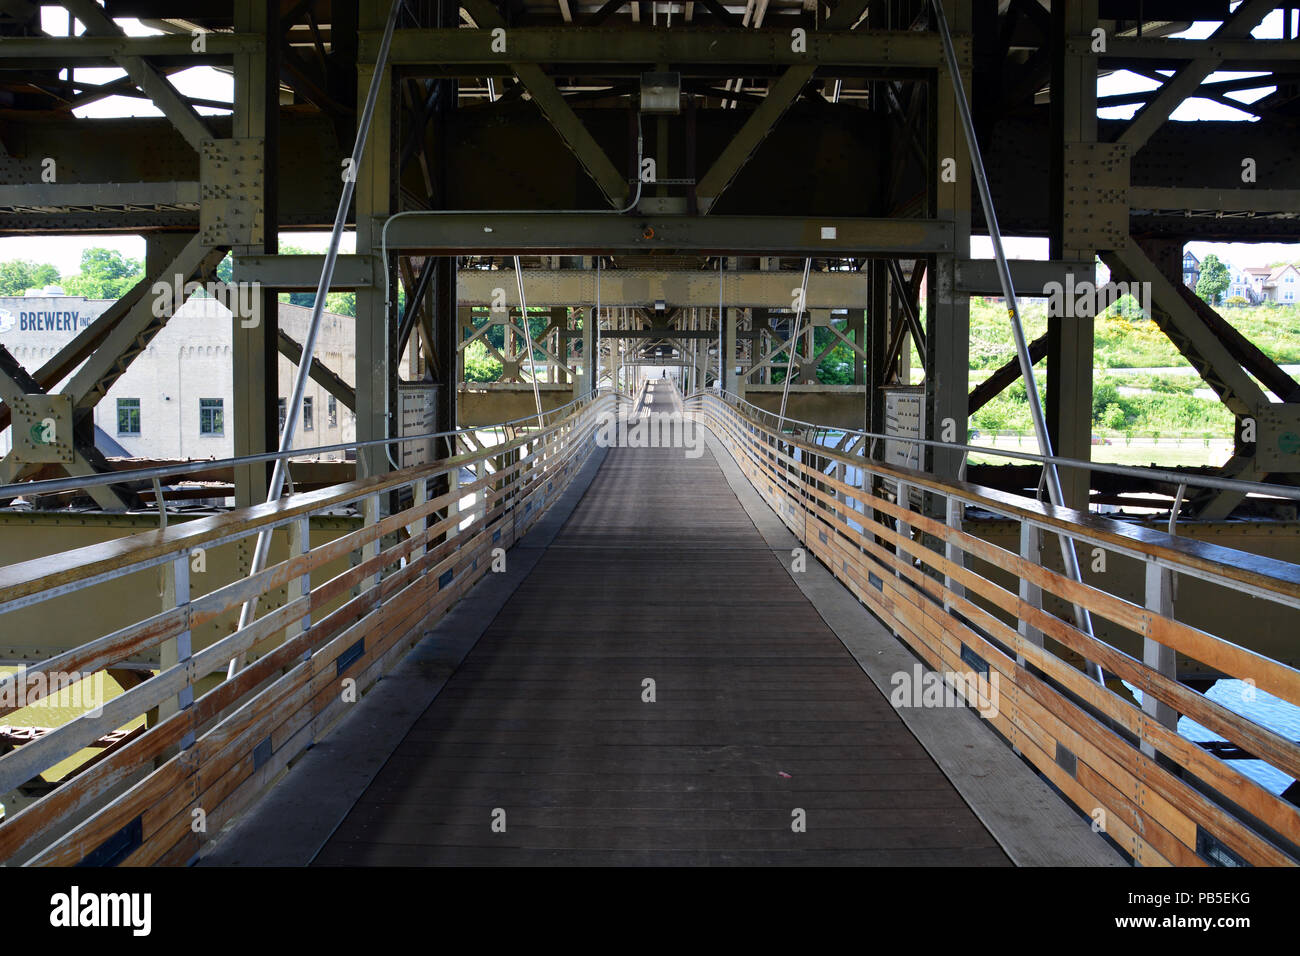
(1069, 556)
(1073, 124)
(1159, 600)
(263, 545)
(1030, 594)
(722, 378)
(953, 509)
(300, 586)
(369, 518)
(903, 528)
(256, 116)
(419, 497)
(184, 640)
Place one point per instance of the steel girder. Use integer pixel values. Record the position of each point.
(460, 233)
(675, 288)
(104, 50)
(832, 46)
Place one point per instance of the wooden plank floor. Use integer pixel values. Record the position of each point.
(759, 711)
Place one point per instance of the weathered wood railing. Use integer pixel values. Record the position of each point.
(205, 755)
(638, 401)
(1161, 797)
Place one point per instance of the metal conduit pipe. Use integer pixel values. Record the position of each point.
(528, 342)
(793, 345)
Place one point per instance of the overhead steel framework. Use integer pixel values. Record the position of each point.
(692, 154)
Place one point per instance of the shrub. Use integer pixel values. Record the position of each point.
(1113, 417)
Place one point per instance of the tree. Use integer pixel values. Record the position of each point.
(480, 365)
(19, 275)
(1214, 280)
(991, 418)
(345, 303)
(1104, 395)
(837, 367)
(105, 274)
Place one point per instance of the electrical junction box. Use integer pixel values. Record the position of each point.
(904, 419)
(417, 408)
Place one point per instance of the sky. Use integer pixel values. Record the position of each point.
(64, 252)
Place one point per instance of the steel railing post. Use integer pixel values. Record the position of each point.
(300, 586)
(1030, 594)
(1158, 600)
(180, 581)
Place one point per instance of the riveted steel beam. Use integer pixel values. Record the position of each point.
(676, 288)
(61, 51)
(829, 47)
(62, 197)
(301, 273)
(461, 233)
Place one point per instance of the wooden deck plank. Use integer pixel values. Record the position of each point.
(453, 799)
(342, 854)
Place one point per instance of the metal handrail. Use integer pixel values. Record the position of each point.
(1130, 471)
(53, 485)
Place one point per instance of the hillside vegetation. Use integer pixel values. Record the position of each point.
(1158, 400)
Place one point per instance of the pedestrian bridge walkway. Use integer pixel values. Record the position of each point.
(651, 655)
(756, 710)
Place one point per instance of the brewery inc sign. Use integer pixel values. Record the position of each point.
(24, 320)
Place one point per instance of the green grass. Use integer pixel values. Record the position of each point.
(1164, 404)
(59, 708)
(1130, 342)
(1188, 452)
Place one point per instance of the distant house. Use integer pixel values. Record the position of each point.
(1242, 285)
(1191, 270)
(1285, 281)
(1257, 277)
(1279, 284)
